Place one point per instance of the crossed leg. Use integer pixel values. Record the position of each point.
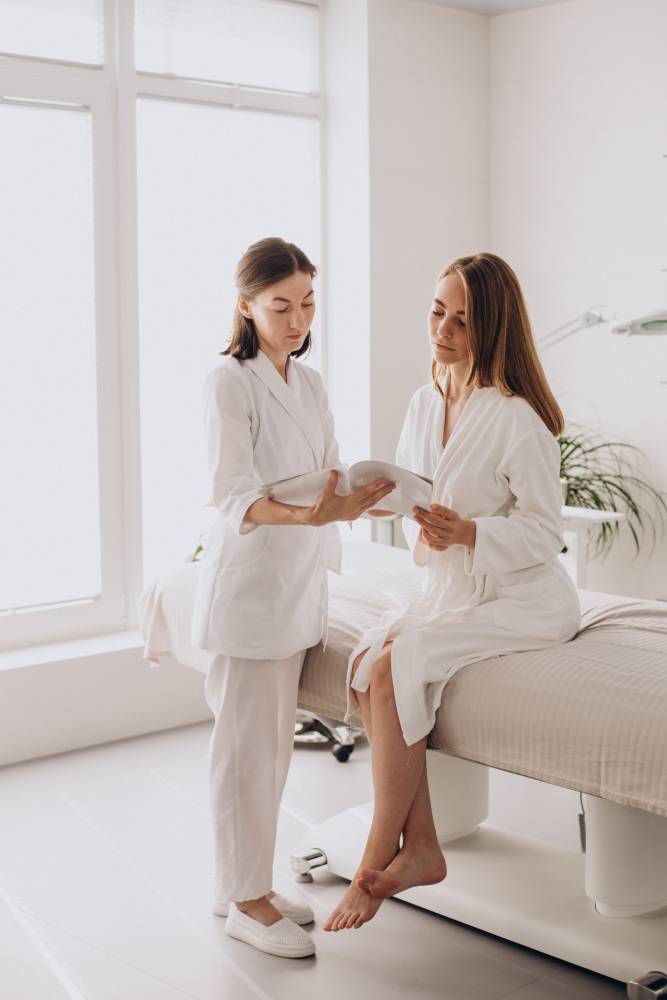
(402, 806)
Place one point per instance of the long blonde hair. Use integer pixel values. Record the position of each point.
(500, 338)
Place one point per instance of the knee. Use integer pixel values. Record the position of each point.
(355, 665)
(381, 679)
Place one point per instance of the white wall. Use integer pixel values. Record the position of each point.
(578, 206)
(540, 135)
(428, 183)
(66, 696)
(405, 120)
(346, 263)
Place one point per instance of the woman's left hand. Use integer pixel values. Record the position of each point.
(442, 527)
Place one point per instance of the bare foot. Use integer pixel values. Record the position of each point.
(422, 864)
(355, 909)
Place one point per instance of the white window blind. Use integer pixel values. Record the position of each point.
(70, 30)
(49, 528)
(270, 44)
(212, 180)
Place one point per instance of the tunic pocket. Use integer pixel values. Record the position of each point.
(243, 551)
(534, 609)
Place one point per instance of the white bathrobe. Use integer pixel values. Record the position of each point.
(501, 469)
(262, 589)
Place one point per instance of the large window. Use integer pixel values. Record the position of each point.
(50, 527)
(212, 180)
(261, 43)
(127, 194)
(70, 30)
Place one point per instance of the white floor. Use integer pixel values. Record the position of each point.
(105, 885)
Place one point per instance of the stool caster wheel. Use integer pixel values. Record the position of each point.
(341, 752)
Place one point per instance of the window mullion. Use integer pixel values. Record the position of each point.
(119, 17)
(232, 95)
(55, 69)
(109, 359)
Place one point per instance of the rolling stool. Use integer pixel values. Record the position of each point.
(311, 728)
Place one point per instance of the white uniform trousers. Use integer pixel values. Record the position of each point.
(254, 703)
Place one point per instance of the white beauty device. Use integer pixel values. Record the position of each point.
(651, 323)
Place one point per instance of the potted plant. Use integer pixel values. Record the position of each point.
(607, 475)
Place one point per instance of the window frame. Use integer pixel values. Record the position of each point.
(111, 92)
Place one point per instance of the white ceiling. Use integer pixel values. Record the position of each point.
(492, 7)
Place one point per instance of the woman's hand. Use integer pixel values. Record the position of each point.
(330, 507)
(442, 527)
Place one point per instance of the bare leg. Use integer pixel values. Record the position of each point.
(420, 860)
(419, 825)
(398, 770)
(366, 905)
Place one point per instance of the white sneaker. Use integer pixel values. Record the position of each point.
(284, 938)
(300, 913)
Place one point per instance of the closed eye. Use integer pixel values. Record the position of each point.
(305, 305)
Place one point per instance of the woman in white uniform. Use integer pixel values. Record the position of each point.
(261, 599)
(485, 431)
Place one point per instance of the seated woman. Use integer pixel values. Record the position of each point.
(485, 431)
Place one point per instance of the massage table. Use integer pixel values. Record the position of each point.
(590, 715)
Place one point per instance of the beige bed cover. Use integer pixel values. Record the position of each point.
(589, 715)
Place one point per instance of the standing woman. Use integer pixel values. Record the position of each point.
(261, 599)
(485, 430)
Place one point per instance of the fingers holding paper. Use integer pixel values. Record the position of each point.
(329, 506)
(442, 527)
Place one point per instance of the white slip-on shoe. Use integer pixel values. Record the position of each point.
(300, 913)
(284, 938)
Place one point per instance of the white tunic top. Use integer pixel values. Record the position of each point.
(501, 469)
(262, 590)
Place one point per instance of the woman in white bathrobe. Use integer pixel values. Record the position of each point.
(261, 598)
(485, 431)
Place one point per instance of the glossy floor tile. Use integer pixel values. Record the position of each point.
(105, 890)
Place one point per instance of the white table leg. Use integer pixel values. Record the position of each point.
(581, 557)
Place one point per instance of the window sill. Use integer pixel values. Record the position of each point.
(71, 649)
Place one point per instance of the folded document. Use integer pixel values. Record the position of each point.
(411, 490)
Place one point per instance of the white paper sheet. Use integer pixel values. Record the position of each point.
(410, 490)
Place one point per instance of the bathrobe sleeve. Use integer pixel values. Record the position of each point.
(228, 413)
(531, 532)
(421, 553)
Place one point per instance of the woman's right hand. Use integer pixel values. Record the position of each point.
(330, 507)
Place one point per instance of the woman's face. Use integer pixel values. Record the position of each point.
(282, 313)
(447, 322)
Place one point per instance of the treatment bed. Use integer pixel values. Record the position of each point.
(590, 715)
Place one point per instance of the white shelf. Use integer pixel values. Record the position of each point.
(580, 521)
(583, 518)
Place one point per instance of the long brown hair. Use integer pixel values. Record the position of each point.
(263, 264)
(500, 338)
